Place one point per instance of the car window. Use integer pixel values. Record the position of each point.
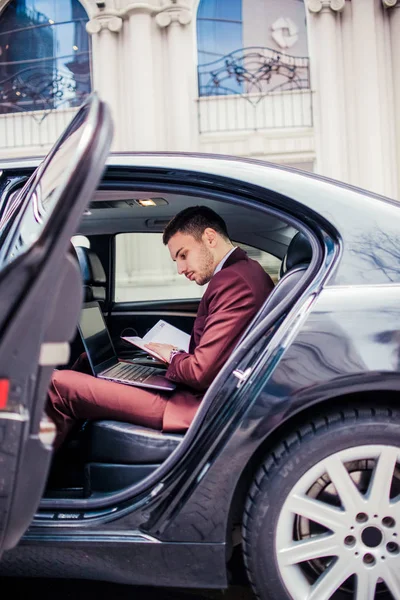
(145, 271)
(271, 264)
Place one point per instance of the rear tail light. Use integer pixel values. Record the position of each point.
(4, 387)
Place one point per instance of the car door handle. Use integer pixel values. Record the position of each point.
(242, 376)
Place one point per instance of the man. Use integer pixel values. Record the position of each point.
(199, 243)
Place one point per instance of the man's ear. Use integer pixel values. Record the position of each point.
(210, 237)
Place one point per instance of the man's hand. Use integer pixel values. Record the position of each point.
(164, 350)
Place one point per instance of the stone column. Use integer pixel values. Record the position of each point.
(394, 19)
(368, 87)
(176, 18)
(140, 79)
(328, 83)
(350, 108)
(104, 29)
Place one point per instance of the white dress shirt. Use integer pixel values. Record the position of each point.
(222, 262)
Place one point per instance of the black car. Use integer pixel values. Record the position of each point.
(293, 458)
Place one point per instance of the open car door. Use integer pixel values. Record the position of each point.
(40, 302)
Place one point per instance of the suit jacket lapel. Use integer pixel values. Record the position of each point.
(237, 255)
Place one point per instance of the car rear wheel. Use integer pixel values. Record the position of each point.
(322, 518)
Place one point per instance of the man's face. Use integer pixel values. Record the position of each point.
(194, 258)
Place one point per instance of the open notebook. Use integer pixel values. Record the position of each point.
(161, 333)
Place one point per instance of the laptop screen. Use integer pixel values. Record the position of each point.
(96, 338)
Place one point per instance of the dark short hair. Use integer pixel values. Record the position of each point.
(193, 221)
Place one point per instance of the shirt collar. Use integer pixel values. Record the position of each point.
(222, 262)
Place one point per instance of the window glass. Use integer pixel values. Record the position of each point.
(242, 46)
(219, 31)
(271, 264)
(44, 55)
(145, 271)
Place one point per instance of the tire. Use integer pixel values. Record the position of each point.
(304, 490)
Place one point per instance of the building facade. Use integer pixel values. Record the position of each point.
(311, 83)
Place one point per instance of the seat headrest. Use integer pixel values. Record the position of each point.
(299, 252)
(91, 267)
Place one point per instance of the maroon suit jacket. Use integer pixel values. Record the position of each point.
(234, 295)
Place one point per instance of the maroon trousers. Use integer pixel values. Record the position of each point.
(75, 395)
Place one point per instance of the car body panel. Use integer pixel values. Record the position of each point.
(272, 396)
(126, 559)
(192, 506)
(340, 337)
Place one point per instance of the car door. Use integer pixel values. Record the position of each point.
(40, 300)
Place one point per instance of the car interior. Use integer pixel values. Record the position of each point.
(126, 271)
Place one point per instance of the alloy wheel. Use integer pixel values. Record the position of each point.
(338, 532)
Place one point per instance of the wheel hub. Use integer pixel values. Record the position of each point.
(372, 537)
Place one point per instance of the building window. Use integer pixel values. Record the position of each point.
(233, 35)
(219, 29)
(224, 26)
(253, 66)
(44, 55)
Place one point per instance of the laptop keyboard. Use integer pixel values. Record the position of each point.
(129, 372)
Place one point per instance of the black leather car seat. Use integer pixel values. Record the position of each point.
(93, 275)
(94, 288)
(120, 454)
(294, 265)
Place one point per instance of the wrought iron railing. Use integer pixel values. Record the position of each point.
(38, 100)
(254, 88)
(42, 88)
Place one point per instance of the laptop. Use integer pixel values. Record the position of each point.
(104, 361)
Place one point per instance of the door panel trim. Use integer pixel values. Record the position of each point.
(13, 416)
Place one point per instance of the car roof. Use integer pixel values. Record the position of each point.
(205, 162)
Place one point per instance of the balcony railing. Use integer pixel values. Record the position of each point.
(33, 130)
(254, 89)
(37, 103)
